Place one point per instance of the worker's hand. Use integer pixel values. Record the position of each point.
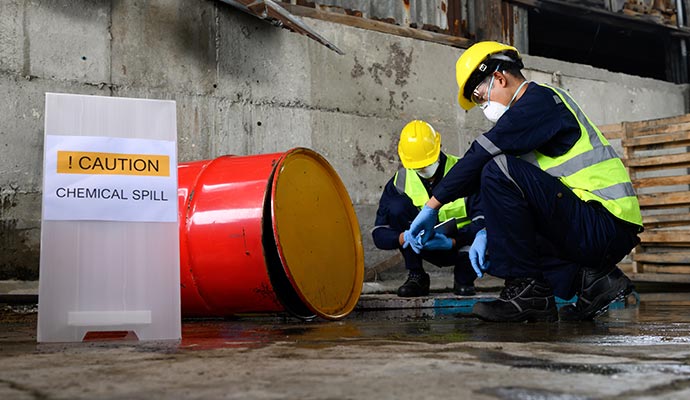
(422, 228)
(478, 253)
(438, 242)
(412, 241)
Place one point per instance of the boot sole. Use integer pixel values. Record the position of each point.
(525, 316)
(600, 305)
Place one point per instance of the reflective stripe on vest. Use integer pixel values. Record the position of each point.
(591, 168)
(411, 185)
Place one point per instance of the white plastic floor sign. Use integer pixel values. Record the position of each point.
(109, 229)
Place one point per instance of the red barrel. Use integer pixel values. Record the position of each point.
(267, 233)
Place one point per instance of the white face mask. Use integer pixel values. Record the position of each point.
(494, 110)
(428, 171)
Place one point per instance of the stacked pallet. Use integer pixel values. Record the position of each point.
(656, 155)
(659, 11)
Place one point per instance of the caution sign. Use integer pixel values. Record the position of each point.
(110, 179)
(88, 162)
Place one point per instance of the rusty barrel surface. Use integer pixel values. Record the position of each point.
(267, 233)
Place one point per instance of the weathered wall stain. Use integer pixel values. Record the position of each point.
(380, 159)
(392, 105)
(398, 63)
(360, 158)
(357, 69)
(377, 68)
(381, 156)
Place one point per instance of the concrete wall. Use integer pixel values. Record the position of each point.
(245, 87)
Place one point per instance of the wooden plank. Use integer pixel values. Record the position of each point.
(612, 131)
(676, 257)
(664, 200)
(668, 236)
(625, 267)
(668, 127)
(666, 269)
(652, 167)
(654, 247)
(670, 278)
(660, 162)
(665, 220)
(661, 181)
(666, 297)
(632, 258)
(639, 126)
(628, 155)
(671, 139)
(377, 26)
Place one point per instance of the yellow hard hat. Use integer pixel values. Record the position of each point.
(478, 62)
(419, 145)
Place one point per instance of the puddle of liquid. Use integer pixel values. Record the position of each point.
(658, 319)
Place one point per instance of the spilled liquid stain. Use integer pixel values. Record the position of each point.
(657, 320)
(634, 351)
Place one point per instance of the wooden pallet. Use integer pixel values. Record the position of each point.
(656, 155)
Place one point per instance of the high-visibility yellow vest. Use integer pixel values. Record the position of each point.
(408, 182)
(591, 168)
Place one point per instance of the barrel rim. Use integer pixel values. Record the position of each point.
(342, 192)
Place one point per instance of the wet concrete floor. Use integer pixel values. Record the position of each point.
(635, 351)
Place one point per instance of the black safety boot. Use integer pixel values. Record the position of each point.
(598, 289)
(463, 290)
(417, 284)
(522, 299)
(463, 278)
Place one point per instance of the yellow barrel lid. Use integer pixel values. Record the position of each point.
(317, 233)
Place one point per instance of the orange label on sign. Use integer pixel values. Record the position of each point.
(87, 162)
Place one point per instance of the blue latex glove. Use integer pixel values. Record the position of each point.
(422, 228)
(439, 242)
(412, 241)
(478, 253)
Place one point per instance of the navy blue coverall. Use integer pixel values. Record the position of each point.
(395, 213)
(537, 227)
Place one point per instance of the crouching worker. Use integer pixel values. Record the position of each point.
(561, 210)
(424, 164)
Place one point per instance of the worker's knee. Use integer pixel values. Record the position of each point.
(490, 169)
(496, 170)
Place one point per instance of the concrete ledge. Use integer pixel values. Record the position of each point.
(448, 300)
(13, 287)
(372, 302)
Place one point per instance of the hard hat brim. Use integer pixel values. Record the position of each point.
(464, 103)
